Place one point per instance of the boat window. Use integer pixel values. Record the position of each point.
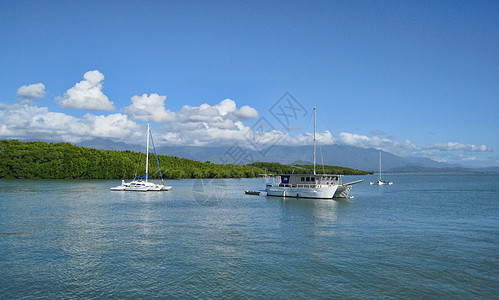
(308, 178)
(303, 179)
(313, 178)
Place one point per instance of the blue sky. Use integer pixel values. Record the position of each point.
(415, 78)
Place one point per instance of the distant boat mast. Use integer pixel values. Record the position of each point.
(380, 165)
(147, 150)
(315, 125)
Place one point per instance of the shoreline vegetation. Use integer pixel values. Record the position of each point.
(40, 160)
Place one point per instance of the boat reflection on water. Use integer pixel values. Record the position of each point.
(319, 210)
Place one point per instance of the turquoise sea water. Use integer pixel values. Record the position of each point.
(426, 236)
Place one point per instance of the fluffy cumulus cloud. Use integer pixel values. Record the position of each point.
(246, 112)
(32, 122)
(87, 94)
(405, 147)
(149, 108)
(206, 124)
(202, 125)
(117, 126)
(226, 110)
(32, 91)
(442, 152)
(323, 138)
(452, 146)
(26, 121)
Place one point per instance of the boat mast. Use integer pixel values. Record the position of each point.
(147, 150)
(379, 165)
(315, 108)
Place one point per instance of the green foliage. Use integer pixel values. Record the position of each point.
(276, 168)
(40, 160)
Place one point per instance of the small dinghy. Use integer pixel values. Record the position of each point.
(247, 192)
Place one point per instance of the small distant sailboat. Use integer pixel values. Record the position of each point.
(141, 184)
(380, 181)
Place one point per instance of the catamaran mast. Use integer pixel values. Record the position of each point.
(315, 108)
(147, 150)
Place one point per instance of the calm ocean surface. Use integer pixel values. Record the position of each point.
(426, 236)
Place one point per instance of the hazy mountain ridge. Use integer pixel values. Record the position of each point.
(105, 144)
(337, 155)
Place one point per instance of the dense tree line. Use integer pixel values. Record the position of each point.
(276, 168)
(39, 160)
(29, 160)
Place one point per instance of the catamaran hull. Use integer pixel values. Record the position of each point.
(137, 189)
(152, 188)
(381, 182)
(311, 193)
(118, 188)
(142, 188)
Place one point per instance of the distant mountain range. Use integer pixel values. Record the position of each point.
(336, 155)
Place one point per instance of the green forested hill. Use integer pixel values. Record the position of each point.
(30, 160)
(66, 161)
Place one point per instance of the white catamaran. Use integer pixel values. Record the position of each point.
(379, 181)
(141, 184)
(315, 186)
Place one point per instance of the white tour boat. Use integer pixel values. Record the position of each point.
(142, 184)
(379, 181)
(315, 186)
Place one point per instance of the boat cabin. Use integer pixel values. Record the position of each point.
(302, 180)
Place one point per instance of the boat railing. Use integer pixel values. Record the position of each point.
(299, 185)
(313, 185)
(306, 185)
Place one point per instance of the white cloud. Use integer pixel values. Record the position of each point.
(207, 124)
(357, 140)
(452, 146)
(149, 108)
(32, 122)
(219, 113)
(225, 107)
(246, 112)
(403, 148)
(442, 152)
(26, 121)
(204, 133)
(116, 126)
(203, 113)
(87, 94)
(323, 138)
(32, 91)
